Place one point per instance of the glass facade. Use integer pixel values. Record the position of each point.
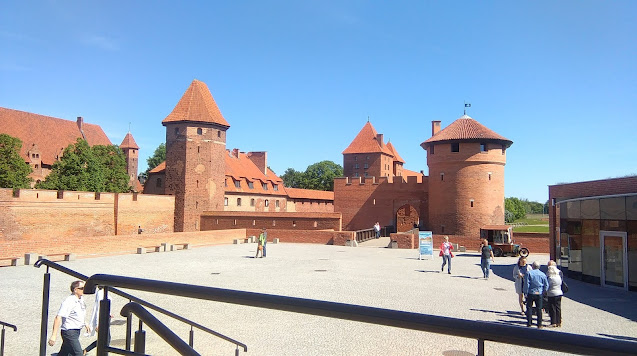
(598, 240)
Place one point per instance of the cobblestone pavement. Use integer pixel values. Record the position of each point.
(368, 275)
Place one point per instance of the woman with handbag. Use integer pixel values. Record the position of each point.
(446, 254)
(519, 271)
(554, 294)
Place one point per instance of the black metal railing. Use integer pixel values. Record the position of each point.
(479, 330)
(131, 298)
(15, 328)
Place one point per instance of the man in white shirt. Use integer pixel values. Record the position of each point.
(71, 318)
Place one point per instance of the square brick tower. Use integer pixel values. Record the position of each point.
(131, 151)
(195, 149)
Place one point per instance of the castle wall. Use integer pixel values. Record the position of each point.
(220, 220)
(259, 202)
(466, 188)
(365, 201)
(336, 238)
(37, 217)
(310, 206)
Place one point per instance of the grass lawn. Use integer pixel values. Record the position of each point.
(533, 223)
(542, 228)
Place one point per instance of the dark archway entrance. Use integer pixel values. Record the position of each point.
(406, 218)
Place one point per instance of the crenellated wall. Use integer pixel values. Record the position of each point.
(219, 220)
(365, 201)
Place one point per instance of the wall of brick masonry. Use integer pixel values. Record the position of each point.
(91, 246)
(40, 217)
(220, 220)
(535, 242)
(323, 237)
(310, 206)
(365, 201)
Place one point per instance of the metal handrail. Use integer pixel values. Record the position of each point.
(15, 328)
(480, 330)
(130, 297)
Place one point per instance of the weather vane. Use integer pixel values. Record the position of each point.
(466, 105)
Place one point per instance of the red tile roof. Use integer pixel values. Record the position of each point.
(367, 142)
(296, 193)
(50, 134)
(129, 142)
(159, 168)
(242, 169)
(397, 157)
(197, 105)
(466, 128)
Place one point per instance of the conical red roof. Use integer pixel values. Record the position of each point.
(466, 129)
(367, 142)
(129, 142)
(197, 105)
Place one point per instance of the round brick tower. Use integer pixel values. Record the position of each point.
(466, 177)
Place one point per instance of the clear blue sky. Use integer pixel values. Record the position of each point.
(298, 79)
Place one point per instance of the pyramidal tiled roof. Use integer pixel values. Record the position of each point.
(466, 128)
(397, 157)
(367, 142)
(50, 134)
(129, 142)
(197, 105)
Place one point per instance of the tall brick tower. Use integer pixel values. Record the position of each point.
(131, 151)
(195, 163)
(368, 156)
(466, 177)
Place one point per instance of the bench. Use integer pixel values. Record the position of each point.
(184, 246)
(56, 257)
(142, 250)
(14, 261)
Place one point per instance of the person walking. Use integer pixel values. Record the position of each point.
(535, 285)
(519, 271)
(554, 276)
(377, 230)
(486, 256)
(71, 318)
(264, 236)
(445, 252)
(260, 245)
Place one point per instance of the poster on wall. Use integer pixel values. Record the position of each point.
(425, 244)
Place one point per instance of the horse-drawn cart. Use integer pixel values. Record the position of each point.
(500, 239)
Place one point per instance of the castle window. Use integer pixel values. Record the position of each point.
(234, 222)
(455, 147)
(267, 202)
(36, 166)
(442, 176)
(356, 166)
(254, 222)
(471, 202)
(355, 174)
(275, 187)
(276, 203)
(158, 183)
(176, 130)
(225, 201)
(197, 183)
(198, 148)
(294, 223)
(367, 158)
(199, 131)
(366, 166)
(442, 227)
(503, 149)
(431, 149)
(315, 223)
(38, 181)
(218, 133)
(237, 183)
(225, 183)
(366, 174)
(250, 185)
(265, 186)
(374, 202)
(251, 202)
(238, 201)
(355, 158)
(273, 222)
(489, 175)
(196, 205)
(483, 147)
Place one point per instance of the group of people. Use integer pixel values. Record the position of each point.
(71, 319)
(534, 285)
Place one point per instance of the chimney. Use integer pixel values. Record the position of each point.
(379, 137)
(260, 159)
(235, 152)
(80, 122)
(435, 127)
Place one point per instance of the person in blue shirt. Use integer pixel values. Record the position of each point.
(536, 285)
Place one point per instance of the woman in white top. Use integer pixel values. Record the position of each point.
(446, 254)
(554, 294)
(519, 271)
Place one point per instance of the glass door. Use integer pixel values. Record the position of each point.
(613, 259)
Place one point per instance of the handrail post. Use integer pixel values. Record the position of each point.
(103, 324)
(45, 311)
(140, 339)
(2, 342)
(129, 331)
(480, 347)
(191, 341)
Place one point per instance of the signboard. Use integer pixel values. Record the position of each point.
(425, 244)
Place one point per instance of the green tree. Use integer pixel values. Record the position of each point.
(14, 171)
(292, 178)
(113, 164)
(153, 161)
(515, 207)
(319, 176)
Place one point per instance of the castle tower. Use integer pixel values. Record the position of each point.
(466, 177)
(131, 151)
(368, 156)
(195, 163)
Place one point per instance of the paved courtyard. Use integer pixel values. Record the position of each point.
(369, 275)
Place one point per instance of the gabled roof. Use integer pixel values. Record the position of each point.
(367, 142)
(129, 142)
(159, 168)
(466, 129)
(296, 193)
(196, 105)
(50, 134)
(397, 157)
